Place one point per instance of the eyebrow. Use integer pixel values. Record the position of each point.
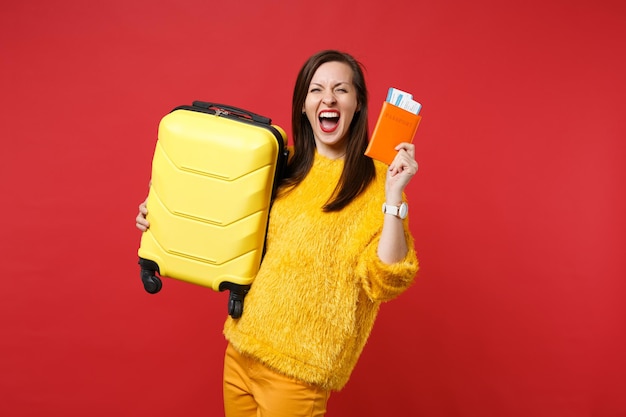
(334, 85)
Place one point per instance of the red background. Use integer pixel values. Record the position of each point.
(518, 207)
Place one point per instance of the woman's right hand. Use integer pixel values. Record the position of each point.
(141, 222)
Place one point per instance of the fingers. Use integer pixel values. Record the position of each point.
(404, 162)
(408, 147)
(140, 221)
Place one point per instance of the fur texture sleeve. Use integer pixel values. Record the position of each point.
(381, 281)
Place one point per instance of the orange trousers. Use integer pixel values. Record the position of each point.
(253, 390)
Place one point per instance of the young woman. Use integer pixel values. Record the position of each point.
(332, 256)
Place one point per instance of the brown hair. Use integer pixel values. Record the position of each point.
(358, 170)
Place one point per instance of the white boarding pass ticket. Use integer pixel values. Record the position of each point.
(403, 100)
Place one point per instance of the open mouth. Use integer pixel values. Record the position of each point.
(329, 120)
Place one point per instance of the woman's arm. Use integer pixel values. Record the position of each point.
(392, 247)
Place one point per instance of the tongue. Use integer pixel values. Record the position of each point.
(328, 124)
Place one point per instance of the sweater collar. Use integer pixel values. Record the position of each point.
(321, 160)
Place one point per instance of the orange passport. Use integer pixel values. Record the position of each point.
(394, 126)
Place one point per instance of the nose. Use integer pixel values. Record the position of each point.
(329, 98)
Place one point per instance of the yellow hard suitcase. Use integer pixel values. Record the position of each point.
(214, 171)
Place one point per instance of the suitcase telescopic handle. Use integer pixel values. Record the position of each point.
(233, 110)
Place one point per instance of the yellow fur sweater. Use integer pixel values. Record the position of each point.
(313, 303)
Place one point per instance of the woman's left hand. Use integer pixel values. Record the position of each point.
(400, 172)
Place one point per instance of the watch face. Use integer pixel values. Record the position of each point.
(404, 210)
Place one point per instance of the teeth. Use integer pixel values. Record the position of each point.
(329, 114)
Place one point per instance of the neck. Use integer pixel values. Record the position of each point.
(331, 152)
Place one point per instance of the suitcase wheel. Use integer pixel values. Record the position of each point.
(235, 308)
(152, 284)
(235, 300)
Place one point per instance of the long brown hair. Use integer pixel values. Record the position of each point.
(358, 170)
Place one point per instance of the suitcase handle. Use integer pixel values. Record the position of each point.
(233, 110)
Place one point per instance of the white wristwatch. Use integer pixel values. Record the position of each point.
(400, 211)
